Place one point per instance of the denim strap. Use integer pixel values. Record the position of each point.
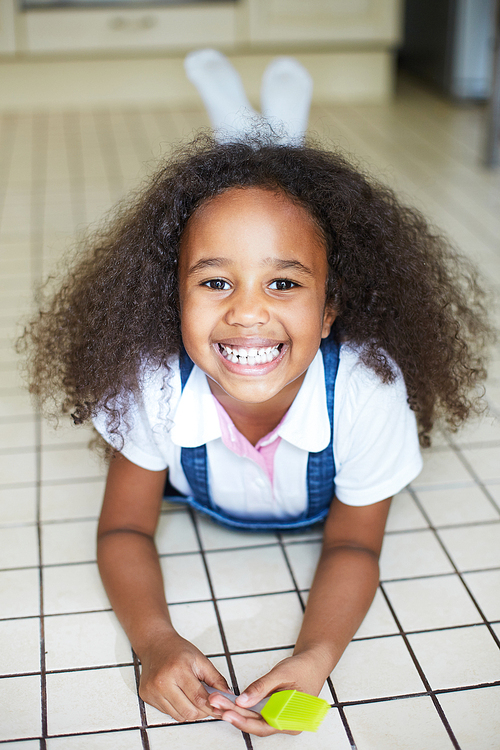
(194, 460)
(320, 466)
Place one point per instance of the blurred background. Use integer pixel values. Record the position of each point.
(92, 93)
(72, 52)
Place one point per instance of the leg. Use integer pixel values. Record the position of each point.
(286, 98)
(221, 89)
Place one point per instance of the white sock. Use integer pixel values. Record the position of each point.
(285, 97)
(221, 89)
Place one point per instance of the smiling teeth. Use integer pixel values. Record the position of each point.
(249, 356)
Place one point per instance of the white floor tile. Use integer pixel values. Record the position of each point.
(14, 402)
(441, 467)
(211, 735)
(75, 463)
(69, 542)
(378, 619)
(473, 547)
(487, 428)
(249, 571)
(197, 622)
(86, 640)
(261, 621)
(17, 435)
(21, 712)
(494, 491)
(484, 462)
(175, 533)
(455, 658)
(20, 650)
(92, 700)
(409, 723)
(9, 376)
(376, 668)
(457, 505)
(304, 560)
(130, 740)
(412, 554)
(485, 587)
(249, 667)
(404, 514)
(19, 593)
(18, 505)
(72, 500)
(214, 536)
(185, 578)
(65, 433)
(73, 588)
(474, 717)
(18, 468)
(427, 603)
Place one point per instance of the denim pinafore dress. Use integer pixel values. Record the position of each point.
(320, 466)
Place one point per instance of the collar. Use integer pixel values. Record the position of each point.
(306, 424)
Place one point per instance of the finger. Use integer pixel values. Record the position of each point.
(252, 725)
(189, 700)
(220, 702)
(258, 690)
(209, 674)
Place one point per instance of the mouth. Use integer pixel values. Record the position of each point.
(251, 356)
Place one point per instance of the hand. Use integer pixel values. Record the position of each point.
(170, 680)
(298, 672)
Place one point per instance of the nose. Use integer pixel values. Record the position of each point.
(247, 308)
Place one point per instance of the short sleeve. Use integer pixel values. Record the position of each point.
(139, 444)
(376, 447)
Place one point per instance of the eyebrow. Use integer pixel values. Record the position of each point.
(279, 263)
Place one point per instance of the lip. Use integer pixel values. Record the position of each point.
(252, 342)
(251, 370)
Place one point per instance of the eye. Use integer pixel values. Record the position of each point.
(219, 285)
(282, 285)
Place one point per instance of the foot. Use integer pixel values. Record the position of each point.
(286, 94)
(222, 92)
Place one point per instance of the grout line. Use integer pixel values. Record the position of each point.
(109, 153)
(460, 575)
(7, 139)
(336, 703)
(462, 525)
(421, 673)
(39, 166)
(479, 483)
(142, 708)
(76, 173)
(222, 633)
(137, 133)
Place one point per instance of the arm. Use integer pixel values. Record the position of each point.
(343, 588)
(130, 570)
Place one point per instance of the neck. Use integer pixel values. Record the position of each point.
(255, 421)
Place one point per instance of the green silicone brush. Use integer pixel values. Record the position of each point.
(287, 709)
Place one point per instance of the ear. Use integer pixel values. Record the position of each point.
(328, 318)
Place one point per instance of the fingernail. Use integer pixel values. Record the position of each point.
(244, 698)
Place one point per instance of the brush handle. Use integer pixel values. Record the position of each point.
(232, 697)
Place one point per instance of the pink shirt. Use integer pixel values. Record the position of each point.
(262, 453)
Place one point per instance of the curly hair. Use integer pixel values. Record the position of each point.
(399, 288)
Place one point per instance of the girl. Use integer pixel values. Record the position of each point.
(269, 326)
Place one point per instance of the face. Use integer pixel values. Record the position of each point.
(252, 279)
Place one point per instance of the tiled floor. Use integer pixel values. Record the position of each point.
(423, 672)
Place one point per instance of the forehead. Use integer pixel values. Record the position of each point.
(253, 213)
